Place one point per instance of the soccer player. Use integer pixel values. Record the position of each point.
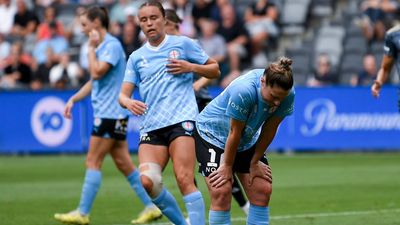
(232, 134)
(106, 65)
(163, 70)
(203, 97)
(390, 57)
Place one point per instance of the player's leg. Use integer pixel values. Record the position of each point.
(239, 196)
(123, 161)
(153, 158)
(98, 148)
(209, 157)
(258, 193)
(183, 157)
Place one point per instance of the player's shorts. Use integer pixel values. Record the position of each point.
(164, 136)
(209, 157)
(110, 128)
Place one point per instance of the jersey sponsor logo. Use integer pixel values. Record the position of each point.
(188, 126)
(238, 108)
(49, 127)
(174, 54)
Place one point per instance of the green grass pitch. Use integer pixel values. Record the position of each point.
(308, 189)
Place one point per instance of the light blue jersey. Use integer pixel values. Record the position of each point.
(105, 91)
(242, 101)
(170, 98)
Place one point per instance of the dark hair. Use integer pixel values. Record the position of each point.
(171, 15)
(156, 4)
(280, 73)
(98, 12)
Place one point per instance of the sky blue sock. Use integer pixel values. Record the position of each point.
(219, 217)
(258, 215)
(195, 207)
(136, 184)
(89, 190)
(169, 207)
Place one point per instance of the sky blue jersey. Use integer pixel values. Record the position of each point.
(242, 101)
(105, 91)
(170, 98)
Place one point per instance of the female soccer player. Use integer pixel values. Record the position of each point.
(107, 65)
(163, 70)
(203, 97)
(233, 132)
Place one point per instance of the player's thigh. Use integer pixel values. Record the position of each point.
(258, 192)
(149, 153)
(98, 148)
(182, 152)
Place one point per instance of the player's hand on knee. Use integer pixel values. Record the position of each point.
(260, 170)
(221, 176)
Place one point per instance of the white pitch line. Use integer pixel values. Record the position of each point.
(285, 217)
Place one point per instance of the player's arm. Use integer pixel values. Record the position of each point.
(201, 83)
(134, 106)
(209, 70)
(97, 68)
(224, 172)
(383, 74)
(78, 96)
(268, 132)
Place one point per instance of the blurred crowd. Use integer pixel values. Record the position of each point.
(42, 46)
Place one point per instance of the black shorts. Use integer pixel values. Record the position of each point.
(110, 128)
(209, 157)
(166, 135)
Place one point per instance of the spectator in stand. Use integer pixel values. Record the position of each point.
(323, 74)
(183, 9)
(44, 29)
(122, 8)
(372, 21)
(130, 38)
(202, 9)
(260, 18)
(5, 49)
(237, 39)
(41, 76)
(65, 74)
(209, 39)
(7, 12)
(17, 73)
(57, 42)
(367, 75)
(25, 21)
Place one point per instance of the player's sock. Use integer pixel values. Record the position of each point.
(238, 193)
(195, 207)
(89, 190)
(219, 217)
(136, 184)
(168, 205)
(258, 215)
(245, 208)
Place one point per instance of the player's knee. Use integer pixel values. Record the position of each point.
(185, 180)
(151, 178)
(222, 194)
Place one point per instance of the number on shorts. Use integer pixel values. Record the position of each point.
(212, 162)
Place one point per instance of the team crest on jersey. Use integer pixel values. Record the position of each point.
(188, 126)
(174, 54)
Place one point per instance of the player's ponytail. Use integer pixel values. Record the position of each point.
(101, 13)
(280, 73)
